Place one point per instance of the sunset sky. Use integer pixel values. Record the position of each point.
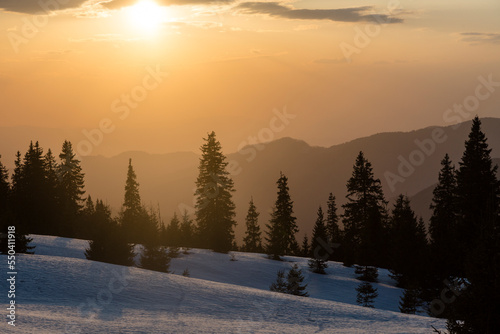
(344, 69)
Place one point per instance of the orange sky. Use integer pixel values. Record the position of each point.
(229, 66)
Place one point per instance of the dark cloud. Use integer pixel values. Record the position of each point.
(38, 6)
(46, 6)
(479, 37)
(116, 4)
(355, 14)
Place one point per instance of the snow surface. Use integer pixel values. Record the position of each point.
(59, 291)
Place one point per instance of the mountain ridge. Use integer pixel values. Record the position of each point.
(167, 181)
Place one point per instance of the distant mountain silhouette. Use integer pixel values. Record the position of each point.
(168, 180)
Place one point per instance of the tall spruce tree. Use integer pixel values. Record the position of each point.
(71, 188)
(332, 228)
(5, 198)
(33, 208)
(7, 218)
(476, 309)
(215, 210)
(59, 225)
(282, 227)
(134, 218)
(320, 238)
(364, 217)
(443, 226)
(478, 191)
(408, 245)
(252, 242)
(186, 230)
(108, 243)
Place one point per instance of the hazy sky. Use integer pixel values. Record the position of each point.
(159, 78)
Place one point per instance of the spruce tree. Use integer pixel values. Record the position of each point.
(294, 280)
(108, 244)
(443, 224)
(332, 228)
(295, 249)
(7, 218)
(476, 309)
(366, 273)
(17, 186)
(53, 179)
(163, 234)
(252, 242)
(173, 232)
(410, 301)
(33, 207)
(364, 217)
(366, 294)
(282, 227)
(71, 185)
(18, 172)
(5, 198)
(154, 256)
(408, 244)
(478, 191)
(186, 230)
(305, 249)
(214, 204)
(134, 217)
(59, 225)
(87, 226)
(280, 284)
(319, 255)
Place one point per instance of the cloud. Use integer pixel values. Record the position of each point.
(116, 4)
(38, 7)
(475, 38)
(354, 14)
(47, 6)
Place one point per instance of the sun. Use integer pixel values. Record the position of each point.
(146, 16)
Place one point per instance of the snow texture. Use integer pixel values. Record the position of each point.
(59, 291)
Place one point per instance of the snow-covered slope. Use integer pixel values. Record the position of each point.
(61, 292)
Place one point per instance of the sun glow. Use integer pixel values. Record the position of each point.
(146, 16)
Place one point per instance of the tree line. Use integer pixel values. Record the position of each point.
(459, 256)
